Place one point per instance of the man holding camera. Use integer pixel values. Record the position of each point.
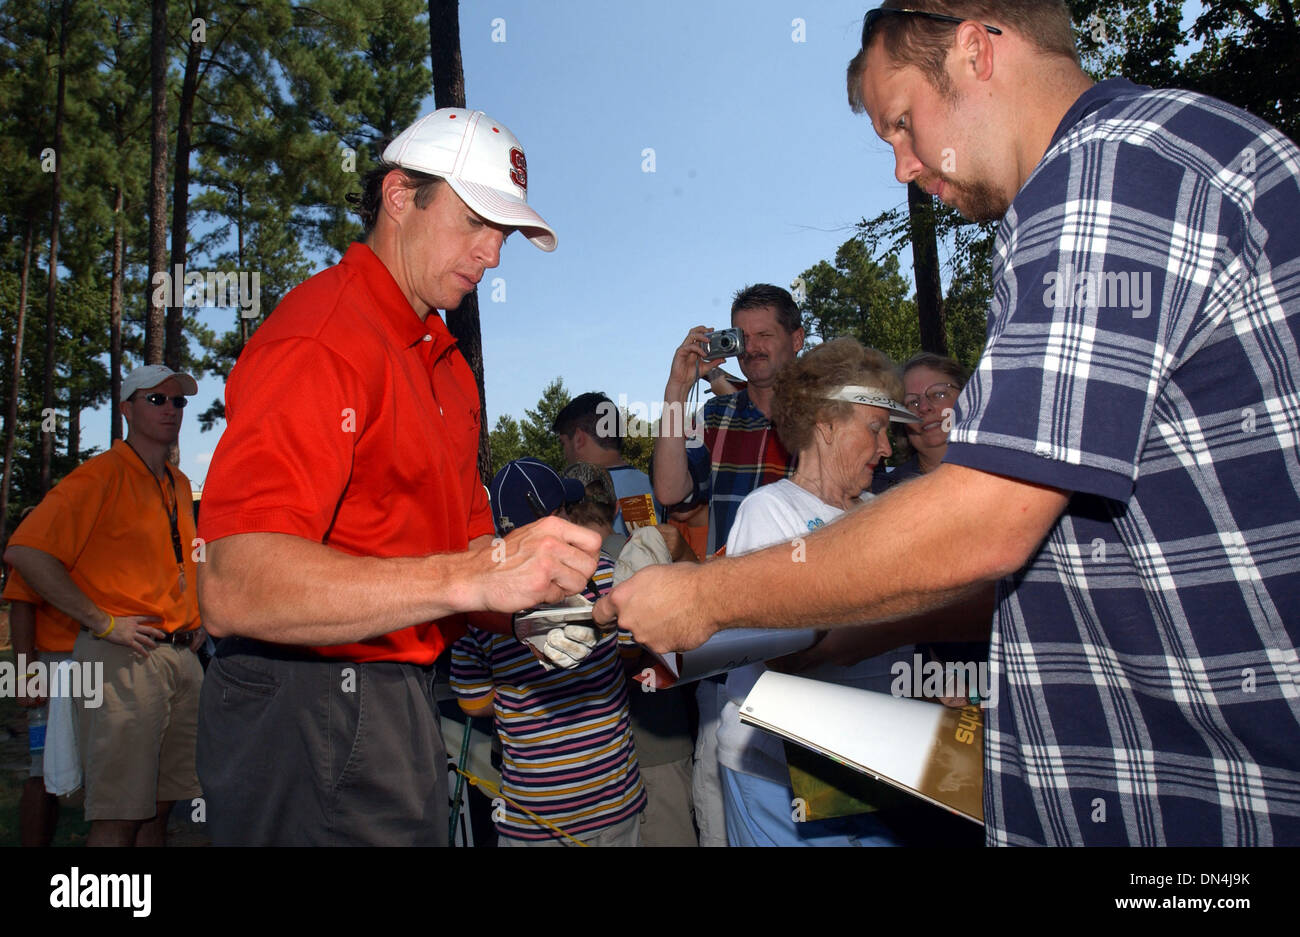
(740, 452)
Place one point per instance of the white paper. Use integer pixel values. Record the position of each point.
(906, 742)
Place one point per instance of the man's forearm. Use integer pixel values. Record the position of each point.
(22, 628)
(289, 590)
(672, 475)
(48, 578)
(957, 530)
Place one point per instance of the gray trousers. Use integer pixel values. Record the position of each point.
(302, 752)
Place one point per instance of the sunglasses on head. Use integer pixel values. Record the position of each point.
(159, 399)
(875, 16)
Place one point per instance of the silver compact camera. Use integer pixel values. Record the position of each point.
(725, 343)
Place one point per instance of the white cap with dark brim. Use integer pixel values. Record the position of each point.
(481, 160)
(151, 375)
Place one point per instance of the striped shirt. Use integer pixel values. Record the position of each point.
(1142, 354)
(741, 451)
(566, 740)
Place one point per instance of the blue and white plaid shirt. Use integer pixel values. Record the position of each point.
(1142, 353)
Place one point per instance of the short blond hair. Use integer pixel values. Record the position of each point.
(803, 385)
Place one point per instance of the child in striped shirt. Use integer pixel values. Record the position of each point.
(568, 756)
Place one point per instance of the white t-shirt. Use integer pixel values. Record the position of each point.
(778, 513)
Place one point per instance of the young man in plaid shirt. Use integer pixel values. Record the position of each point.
(1123, 463)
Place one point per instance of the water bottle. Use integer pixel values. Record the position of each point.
(36, 729)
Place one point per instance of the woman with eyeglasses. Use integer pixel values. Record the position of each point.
(832, 407)
(931, 384)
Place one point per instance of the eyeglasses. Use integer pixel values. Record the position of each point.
(875, 16)
(939, 395)
(159, 399)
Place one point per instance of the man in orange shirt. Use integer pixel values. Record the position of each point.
(109, 546)
(348, 532)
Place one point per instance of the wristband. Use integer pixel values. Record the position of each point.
(112, 622)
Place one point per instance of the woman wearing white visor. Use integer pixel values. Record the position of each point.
(833, 407)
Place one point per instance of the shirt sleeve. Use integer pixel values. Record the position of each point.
(17, 590)
(61, 525)
(471, 677)
(295, 409)
(699, 464)
(760, 522)
(1096, 303)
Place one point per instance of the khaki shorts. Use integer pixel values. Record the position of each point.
(137, 747)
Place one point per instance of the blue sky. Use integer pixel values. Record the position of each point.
(761, 170)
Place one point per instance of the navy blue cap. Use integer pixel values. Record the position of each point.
(512, 485)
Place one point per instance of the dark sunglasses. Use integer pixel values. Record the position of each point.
(159, 399)
(875, 16)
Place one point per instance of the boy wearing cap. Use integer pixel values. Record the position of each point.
(568, 754)
(347, 529)
(586, 436)
(111, 548)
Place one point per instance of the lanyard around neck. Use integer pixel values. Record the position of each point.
(171, 508)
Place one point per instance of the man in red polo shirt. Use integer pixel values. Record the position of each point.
(346, 528)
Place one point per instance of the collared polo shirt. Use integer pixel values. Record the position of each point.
(353, 424)
(108, 523)
(1142, 354)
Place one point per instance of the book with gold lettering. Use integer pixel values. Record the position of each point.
(922, 747)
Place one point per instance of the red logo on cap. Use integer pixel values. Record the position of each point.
(519, 174)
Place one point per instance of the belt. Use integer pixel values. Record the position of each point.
(179, 638)
(236, 645)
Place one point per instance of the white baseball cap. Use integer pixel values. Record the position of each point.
(481, 160)
(151, 375)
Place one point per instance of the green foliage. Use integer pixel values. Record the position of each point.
(638, 444)
(538, 440)
(1247, 54)
(968, 248)
(858, 297)
(506, 442)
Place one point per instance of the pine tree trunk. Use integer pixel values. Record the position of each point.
(172, 352)
(925, 264)
(155, 321)
(15, 385)
(51, 324)
(74, 424)
(449, 91)
(115, 323)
